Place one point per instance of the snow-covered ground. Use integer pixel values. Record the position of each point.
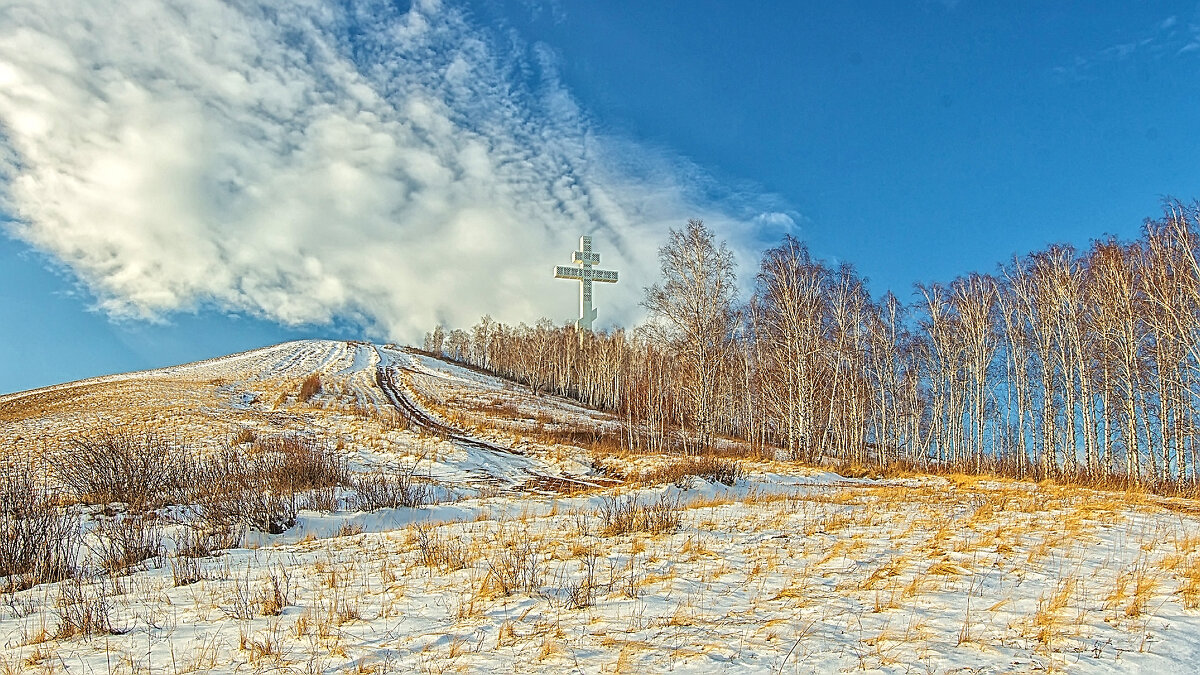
(788, 570)
(783, 572)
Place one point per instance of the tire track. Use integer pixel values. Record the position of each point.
(385, 378)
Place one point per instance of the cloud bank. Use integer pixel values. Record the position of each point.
(303, 162)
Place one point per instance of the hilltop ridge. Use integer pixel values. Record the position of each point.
(381, 403)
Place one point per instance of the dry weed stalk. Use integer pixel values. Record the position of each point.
(516, 564)
(437, 552)
(39, 543)
(124, 543)
(1047, 617)
(262, 488)
(137, 468)
(85, 609)
(630, 514)
(310, 387)
(393, 489)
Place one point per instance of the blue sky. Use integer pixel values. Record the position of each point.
(183, 180)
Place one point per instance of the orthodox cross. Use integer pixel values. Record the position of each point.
(585, 257)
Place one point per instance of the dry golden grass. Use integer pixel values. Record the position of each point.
(878, 554)
(205, 415)
(1189, 586)
(874, 574)
(309, 387)
(888, 570)
(944, 567)
(1144, 583)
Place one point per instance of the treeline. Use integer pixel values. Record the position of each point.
(1075, 364)
(621, 372)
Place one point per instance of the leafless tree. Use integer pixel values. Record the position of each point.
(788, 315)
(694, 316)
(974, 299)
(1080, 365)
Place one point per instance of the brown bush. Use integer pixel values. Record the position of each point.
(262, 488)
(621, 516)
(85, 609)
(136, 468)
(124, 543)
(201, 542)
(38, 542)
(321, 499)
(383, 491)
(310, 387)
(516, 564)
(293, 463)
(186, 570)
(711, 469)
(438, 552)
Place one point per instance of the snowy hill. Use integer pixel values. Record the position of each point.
(372, 400)
(524, 554)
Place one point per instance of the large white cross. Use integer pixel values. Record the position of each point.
(586, 275)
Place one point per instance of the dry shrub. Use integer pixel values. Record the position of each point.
(38, 542)
(122, 544)
(192, 545)
(711, 469)
(621, 516)
(204, 541)
(499, 409)
(186, 570)
(263, 488)
(85, 609)
(297, 463)
(322, 499)
(264, 646)
(242, 598)
(310, 387)
(383, 491)
(516, 565)
(437, 552)
(854, 469)
(582, 594)
(136, 468)
(276, 593)
(268, 598)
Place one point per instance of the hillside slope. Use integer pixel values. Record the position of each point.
(376, 403)
(524, 557)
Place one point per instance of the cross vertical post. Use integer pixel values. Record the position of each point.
(585, 257)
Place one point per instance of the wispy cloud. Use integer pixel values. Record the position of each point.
(1168, 37)
(1193, 38)
(302, 161)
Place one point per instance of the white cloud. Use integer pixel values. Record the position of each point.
(776, 219)
(256, 158)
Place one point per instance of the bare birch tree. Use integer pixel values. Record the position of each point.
(694, 314)
(788, 317)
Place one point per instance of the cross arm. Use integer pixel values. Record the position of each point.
(584, 274)
(566, 272)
